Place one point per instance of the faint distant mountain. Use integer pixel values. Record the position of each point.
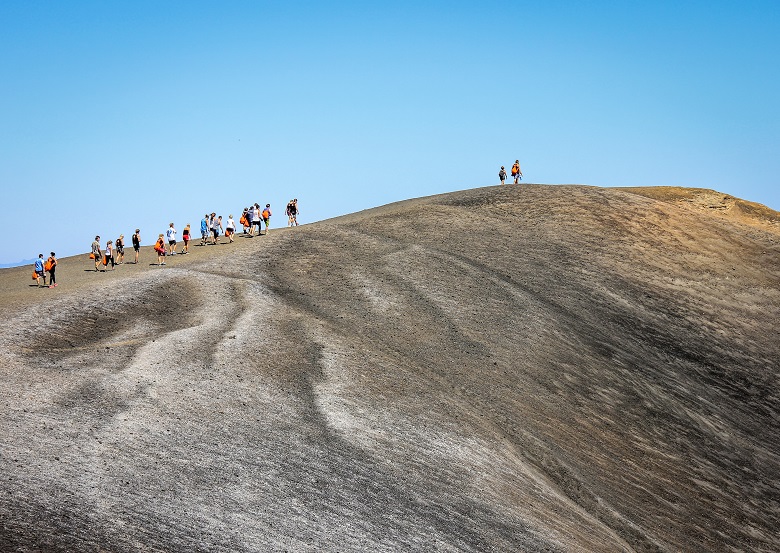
(513, 368)
(17, 264)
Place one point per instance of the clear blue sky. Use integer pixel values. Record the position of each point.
(117, 115)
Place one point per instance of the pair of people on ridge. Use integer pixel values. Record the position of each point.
(517, 174)
(292, 212)
(42, 267)
(99, 255)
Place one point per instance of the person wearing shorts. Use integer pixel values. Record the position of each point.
(171, 233)
(216, 226)
(97, 254)
(267, 217)
(257, 220)
(517, 174)
(230, 229)
(39, 272)
(290, 213)
(120, 249)
(159, 247)
(204, 229)
(185, 235)
(137, 244)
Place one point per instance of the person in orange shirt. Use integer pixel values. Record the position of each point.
(159, 247)
(51, 266)
(517, 174)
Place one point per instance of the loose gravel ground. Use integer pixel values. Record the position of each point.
(516, 368)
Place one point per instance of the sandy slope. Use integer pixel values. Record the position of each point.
(511, 368)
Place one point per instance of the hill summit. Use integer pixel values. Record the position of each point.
(516, 368)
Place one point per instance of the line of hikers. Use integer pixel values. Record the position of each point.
(517, 174)
(211, 227)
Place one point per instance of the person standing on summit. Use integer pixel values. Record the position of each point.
(517, 174)
(502, 175)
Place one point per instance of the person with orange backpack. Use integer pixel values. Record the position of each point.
(517, 174)
(244, 220)
(51, 266)
(230, 229)
(159, 247)
(267, 217)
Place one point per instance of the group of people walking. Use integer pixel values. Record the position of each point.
(517, 174)
(212, 227)
(114, 252)
(253, 216)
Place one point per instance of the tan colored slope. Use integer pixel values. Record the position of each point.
(525, 368)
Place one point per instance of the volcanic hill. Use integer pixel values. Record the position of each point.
(516, 368)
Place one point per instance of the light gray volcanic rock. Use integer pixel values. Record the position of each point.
(517, 368)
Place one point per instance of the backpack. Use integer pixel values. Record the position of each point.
(266, 214)
(502, 174)
(135, 240)
(48, 265)
(515, 169)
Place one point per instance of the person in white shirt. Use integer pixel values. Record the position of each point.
(230, 229)
(257, 220)
(171, 235)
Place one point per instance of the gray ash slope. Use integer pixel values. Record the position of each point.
(518, 368)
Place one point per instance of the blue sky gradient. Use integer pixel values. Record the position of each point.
(117, 115)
